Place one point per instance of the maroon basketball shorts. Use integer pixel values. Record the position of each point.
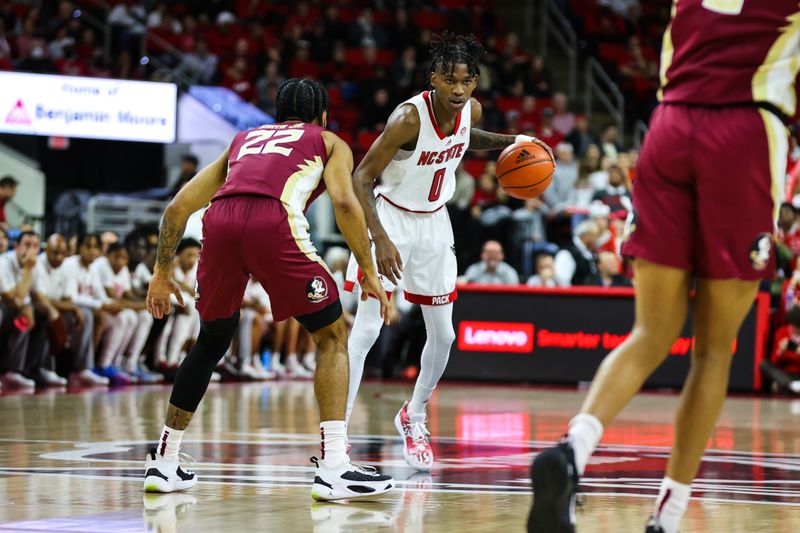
(706, 191)
(245, 235)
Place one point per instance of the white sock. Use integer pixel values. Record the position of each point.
(673, 498)
(366, 328)
(584, 433)
(291, 361)
(170, 443)
(334, 442)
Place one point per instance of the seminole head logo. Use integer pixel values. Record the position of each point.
(317, 290)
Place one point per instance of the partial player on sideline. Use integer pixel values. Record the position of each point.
(705, 208)
(259, 190)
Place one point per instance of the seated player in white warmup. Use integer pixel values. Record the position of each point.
(416, 156)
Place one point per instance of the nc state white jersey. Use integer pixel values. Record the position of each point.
(425, 179)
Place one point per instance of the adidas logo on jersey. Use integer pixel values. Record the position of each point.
(524, 155)
(437, 158)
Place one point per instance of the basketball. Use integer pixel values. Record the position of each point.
(525, 170)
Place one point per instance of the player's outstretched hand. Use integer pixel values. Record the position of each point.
(371, 286)
(388, 258)
(158, 296)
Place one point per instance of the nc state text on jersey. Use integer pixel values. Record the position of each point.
(437, 158)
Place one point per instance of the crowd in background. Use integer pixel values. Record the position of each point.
(370, 56)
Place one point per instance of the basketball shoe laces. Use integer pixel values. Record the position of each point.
(419, 435)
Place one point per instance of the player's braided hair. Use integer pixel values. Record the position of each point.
(449, 49)
(303, 100)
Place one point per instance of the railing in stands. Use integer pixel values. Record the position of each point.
(639, 131)
(122, 213)
(600, 86)
(553, 24)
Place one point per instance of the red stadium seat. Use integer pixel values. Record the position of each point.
(475, 167)
(431, 20)
(386, 57)
(365, 139)
(613, 53)
(508, 103)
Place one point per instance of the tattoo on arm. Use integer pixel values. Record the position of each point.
(486, 140)
(168, 240)
(177, 418)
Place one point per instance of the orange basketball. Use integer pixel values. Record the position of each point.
(525, 170)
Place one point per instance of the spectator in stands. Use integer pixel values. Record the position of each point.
(576, 262)
(563, 118)
(547, 131)
(617, 195)
(127, 20)
(491, 269)
(77, 322)
(545, 272)
(253, 326)
(623, 8)
(5, 48)
(8, 189)
(538, 80)
(17, 278)
(608, 274)
(3, 241)
(237, 80)
(582, 137)
(187, 170)
(335, 29)
(199, 65)
(37, 61)
(365, 32)
(403, 70)
(609, 142)
(783, 367)
(529, 232)
(376, 112)
(788, 228)
(558, 193)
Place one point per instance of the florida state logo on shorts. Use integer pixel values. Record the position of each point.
(317, 290)
(761, 251)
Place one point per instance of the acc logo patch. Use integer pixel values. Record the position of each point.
(761, 251)
(631, 223)
(317, 290)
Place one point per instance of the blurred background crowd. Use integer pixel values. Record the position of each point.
(371, 55)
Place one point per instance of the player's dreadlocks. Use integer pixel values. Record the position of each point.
(449, 49)
(303, 100)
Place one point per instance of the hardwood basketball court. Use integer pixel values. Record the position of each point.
(73, 462)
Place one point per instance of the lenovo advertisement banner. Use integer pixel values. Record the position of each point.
(561, 336)
(91, 108)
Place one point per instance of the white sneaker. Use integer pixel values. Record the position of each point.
(794, 386)
(51, 378)
(296, 370)
(310, 361)
(216, 377)
(277, 366)
(87, 378)
(161, 475)
(348, 481)
(262, 372)
(14, 380)
(417, 449)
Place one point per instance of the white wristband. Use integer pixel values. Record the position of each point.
(524, 138)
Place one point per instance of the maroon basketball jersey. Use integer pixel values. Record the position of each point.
(282, 161)
(718, 52)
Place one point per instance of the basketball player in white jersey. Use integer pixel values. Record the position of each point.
(416, 156)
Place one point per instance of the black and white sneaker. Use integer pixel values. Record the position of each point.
(555, 486)
(653, 526)
(348, 481)
(161, 475)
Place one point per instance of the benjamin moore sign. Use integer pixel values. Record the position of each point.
(92, 108)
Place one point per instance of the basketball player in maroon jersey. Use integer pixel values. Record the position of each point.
(704, 209)
(259, 190)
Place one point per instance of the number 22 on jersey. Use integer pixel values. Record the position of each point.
(269, 142)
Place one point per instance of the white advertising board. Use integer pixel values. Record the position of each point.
(92, 108)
